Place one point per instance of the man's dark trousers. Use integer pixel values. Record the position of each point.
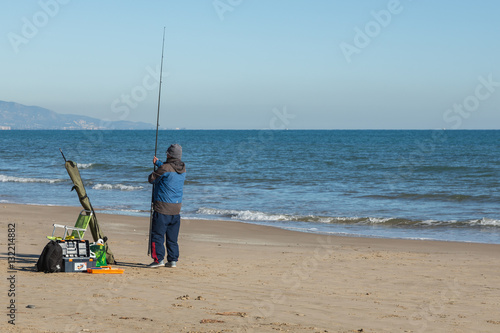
(165, 226)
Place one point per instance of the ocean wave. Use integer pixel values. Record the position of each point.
(85, 165)
(12, 179)
(120, 187)
(245, 215)
(256, 216)
(484, 222)
(97, 165)
(124, 211)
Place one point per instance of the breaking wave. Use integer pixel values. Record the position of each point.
(12, 179)
(120, 187)
(256, 216)
(124, 211)
(85, 165)
(245, 215)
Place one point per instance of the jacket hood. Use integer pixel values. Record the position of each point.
(177, 165)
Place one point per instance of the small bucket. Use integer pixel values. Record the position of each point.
(100, 254)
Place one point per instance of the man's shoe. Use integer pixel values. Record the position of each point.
(156, 264)
(171, 264)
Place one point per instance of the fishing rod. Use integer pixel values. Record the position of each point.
(62, 154)
(156, 142)
(159, 92)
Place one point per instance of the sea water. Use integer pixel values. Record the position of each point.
(440, 185)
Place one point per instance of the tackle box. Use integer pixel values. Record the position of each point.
(74, 265)
(75, 248)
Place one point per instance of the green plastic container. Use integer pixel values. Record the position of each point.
(100, 254)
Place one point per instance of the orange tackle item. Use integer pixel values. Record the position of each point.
(105, 270)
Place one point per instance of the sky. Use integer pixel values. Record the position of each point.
(255, 64)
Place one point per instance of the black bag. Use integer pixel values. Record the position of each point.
(51, 259)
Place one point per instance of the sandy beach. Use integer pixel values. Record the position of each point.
(236, 277)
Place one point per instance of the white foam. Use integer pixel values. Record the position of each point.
(120, 187)
(12, 179)
(487, 222)
(129, 212)
(429, 222)
(246, 215)
(84, 165)
(376, 220)
(334, 219)
(256, 216)
(260, 216)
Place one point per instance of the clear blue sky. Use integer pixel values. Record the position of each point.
(258, 63)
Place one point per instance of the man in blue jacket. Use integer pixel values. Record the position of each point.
(168, 181)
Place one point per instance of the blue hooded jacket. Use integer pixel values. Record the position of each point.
(168, 181)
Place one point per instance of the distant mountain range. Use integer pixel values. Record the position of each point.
(14, 116)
